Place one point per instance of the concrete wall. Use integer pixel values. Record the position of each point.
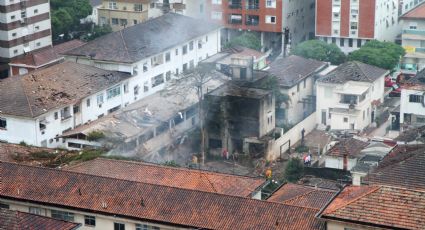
(407, 107)
(103, 222)
(125, 10)
(281, 145)
(338, 162)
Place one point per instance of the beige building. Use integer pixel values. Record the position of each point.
(123, 13)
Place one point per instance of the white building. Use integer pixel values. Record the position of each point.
(153, 51)
(347, 96)
(413, 39)
(296, 77)
(25, 27)
(412, 103)
(345, 153)
(407, 5)
(37, 108)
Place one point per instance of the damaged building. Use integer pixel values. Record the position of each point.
(240, 120)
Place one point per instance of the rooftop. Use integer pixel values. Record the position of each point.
(353, 71)
(351, 147)
(303, 196)
(378, 206)
(54, 87)
(233, 90)
(403, 167)
(225, 56)
(145, 39)
(293, 69)
(46, 55)
(15, 220)
(417, 12)
(171, 176)
(148, 202)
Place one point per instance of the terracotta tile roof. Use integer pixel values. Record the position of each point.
(404, 167)
(381, 206)
(53, 87)
(303, 196)
(293, 69)
(143, 40)
(416, 13)
(353, 71)
(148, 202)
(171, 176)
(350, 147)
(47, 55)
(15, 220)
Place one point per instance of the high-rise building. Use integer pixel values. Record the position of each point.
(24, 27)
(350, 23)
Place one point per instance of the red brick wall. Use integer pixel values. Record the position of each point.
(324, 17)
(367, 19)
(345, 18)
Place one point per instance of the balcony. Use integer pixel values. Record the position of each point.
(252, 20)
(235, 4)
(416, 32)
(252, 4)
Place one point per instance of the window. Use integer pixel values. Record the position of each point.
(56, 115)
(123, 22)
(23, 14)
(65, 113)
(12, 17)
(191, 64)
(271, 3)
(167, 57)
(134, 22)
(184, 67)
(298, 87)
(420, 119)
(138, 7)
(88, 102)
(200, 44)
(359, 43)
(271, 19)
(345, 119)
(350, 42)
(13, 34)
(113, 5)
(119, 226)
(113, 92)
(114, 21)
(60, 215)
(157, 80)
(217, 15)
(191, 45)
(136, 90)
(177, 52)
(184, 49)
(145, 67)
(36, 211)
(99, 98)
(76, 109)
(216, 2)
(125, 87)
(168, 75)
(35, 11)
(415, 98)
(3, 123)
(305, 83)
(413, 25)
(38, 44)
(90, 220)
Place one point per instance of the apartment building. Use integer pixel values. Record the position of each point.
(351, 23)
(25, 26)
(412, 103)
(407, 5)
(413, 39)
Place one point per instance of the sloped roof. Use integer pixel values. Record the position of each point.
(303, 196)
(46, 55)
(402, 167)
(143, 40)
(353, 71)
(15, 220)
(351, 147)
(417, 12)
(293, 69)
(171, 176)
(380, 206)
(37, 92)
(148, 202)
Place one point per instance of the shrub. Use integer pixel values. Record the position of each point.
(95, 135)
(294, 170)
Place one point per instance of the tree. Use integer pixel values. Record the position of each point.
(66, 15)
(385, 55)
(195, 79)
(294, 170)
(248, 40)
(320, 50)
(98, 31)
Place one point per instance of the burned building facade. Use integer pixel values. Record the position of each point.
(239, 119)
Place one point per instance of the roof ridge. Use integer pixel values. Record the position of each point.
(299, 196)
(26, 96)
(125, 45)
(357, 198)
(361, 70)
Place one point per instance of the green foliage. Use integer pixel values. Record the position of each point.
(294, 170)
(171, 163)
(385, 55)
(247, 39)
(95, 135)
(23, 143)
(320, 50)
(98, 31)
(87, 155)
(301, 149)
(43, 155)
(66, 15)
(272, 83)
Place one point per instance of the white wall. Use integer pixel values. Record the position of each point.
(411, 107)
(387, 11)
(338, 162)
(19, 129)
